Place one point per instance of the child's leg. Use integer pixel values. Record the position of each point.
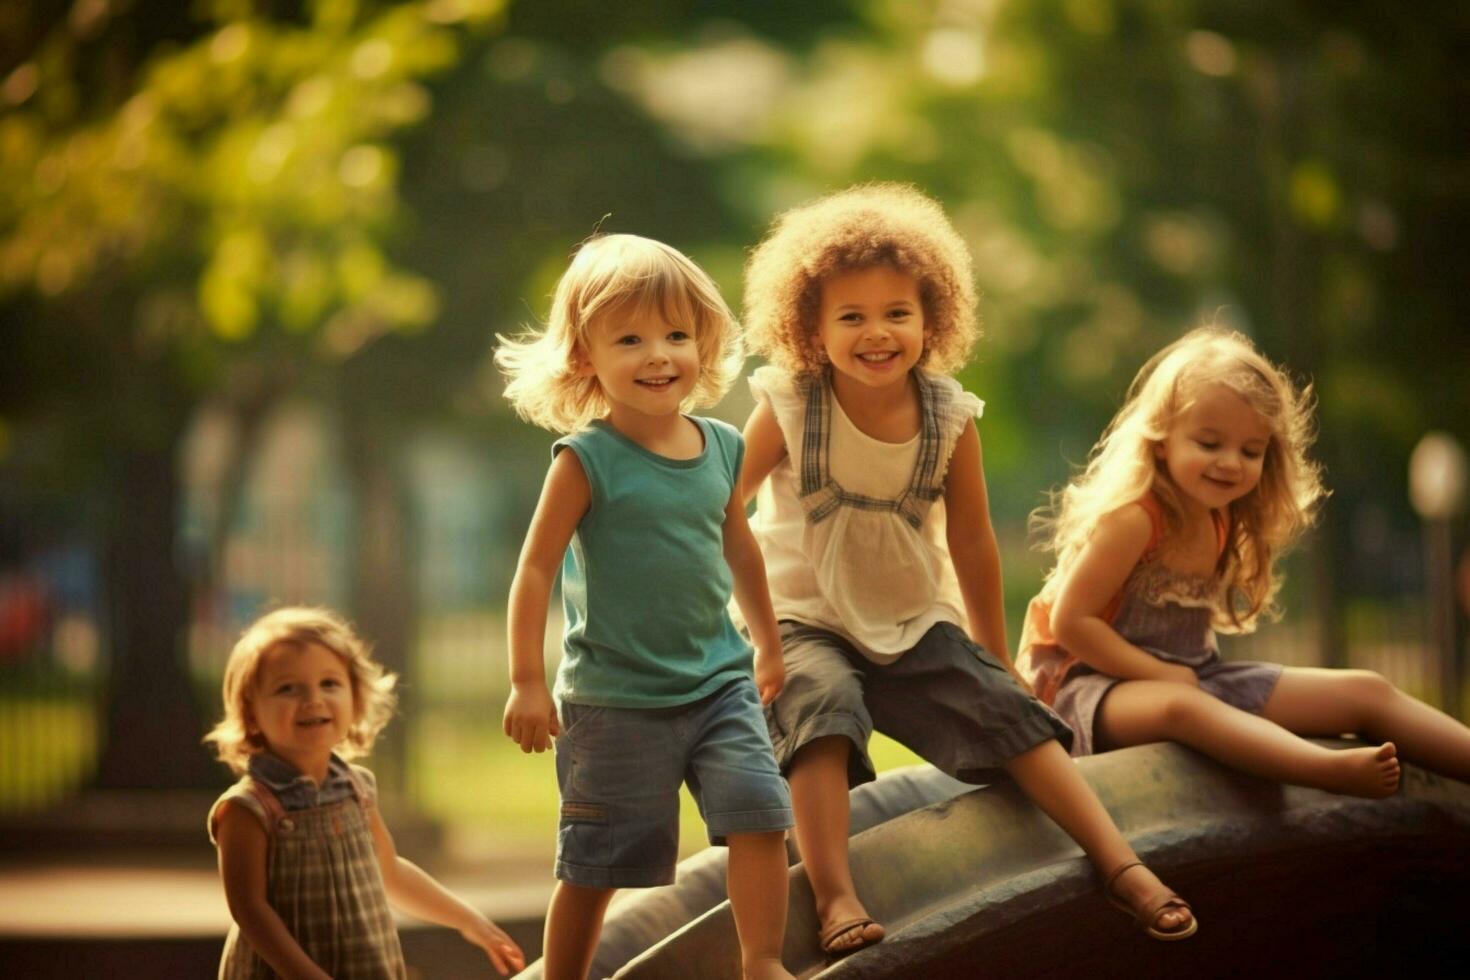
(733, 776)
(823, 703)
(1331, 702)
(757, 886)
(1049, 777)
(818, 780)
(573, 924)
(1135, 712)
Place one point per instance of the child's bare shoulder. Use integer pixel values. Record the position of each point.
(1129, 526)
(234, 814)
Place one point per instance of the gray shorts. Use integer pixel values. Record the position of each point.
(947, 699)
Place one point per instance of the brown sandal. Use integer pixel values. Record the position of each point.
(1148, 912)
(837, 930)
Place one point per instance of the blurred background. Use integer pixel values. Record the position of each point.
(254, 255)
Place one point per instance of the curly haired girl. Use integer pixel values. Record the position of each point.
(1173, 531)
(308, 865)
(875, 525)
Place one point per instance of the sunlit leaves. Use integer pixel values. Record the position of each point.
(257, 159)
(1313, 194)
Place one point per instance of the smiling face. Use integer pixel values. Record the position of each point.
(643, 363)
(303, 704)
(871, 324)
(1216, 448)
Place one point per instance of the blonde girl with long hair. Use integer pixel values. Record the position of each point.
(1173, 532)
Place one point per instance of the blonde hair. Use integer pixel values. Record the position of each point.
(863, 226)
(1123, 467)
(295, 626)
(624, 276)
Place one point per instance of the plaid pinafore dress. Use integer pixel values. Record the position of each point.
(324, 882)
(1160, 611)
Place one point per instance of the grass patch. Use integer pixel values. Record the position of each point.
(48, 747)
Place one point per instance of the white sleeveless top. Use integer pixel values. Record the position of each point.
(852, 529)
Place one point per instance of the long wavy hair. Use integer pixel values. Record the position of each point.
(624, 276)
(1124, 466)
(373, 697)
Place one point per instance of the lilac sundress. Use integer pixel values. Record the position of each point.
(1162, 612)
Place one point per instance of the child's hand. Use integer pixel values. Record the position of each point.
(530, 717)
(1020, 681)
(504, 954)
(770, 674)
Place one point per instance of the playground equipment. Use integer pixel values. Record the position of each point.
(1284, 880)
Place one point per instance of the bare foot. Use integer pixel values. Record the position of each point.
(846, 927)
(1369, 771)
(766, 969)
(1137, 887)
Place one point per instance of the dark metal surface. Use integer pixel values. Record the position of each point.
(1285, 880)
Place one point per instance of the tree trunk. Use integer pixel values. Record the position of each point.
(153, 726)
(385, 580)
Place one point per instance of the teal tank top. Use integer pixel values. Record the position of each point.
(644, 583)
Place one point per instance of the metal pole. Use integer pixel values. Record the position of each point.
(1438, 477)
(1438, 556)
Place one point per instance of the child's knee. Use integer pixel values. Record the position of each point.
(1366, 690)
(585, 896)
(826, 750)
(756, 840)
(1183, 708)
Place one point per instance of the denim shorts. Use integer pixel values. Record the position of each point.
(947, 699)
(619, 772)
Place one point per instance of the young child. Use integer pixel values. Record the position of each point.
(876, 532)
(308, 866)
(655, 683)
(1172, 531)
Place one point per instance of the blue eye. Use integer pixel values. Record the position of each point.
(628, 341)
(679, 336)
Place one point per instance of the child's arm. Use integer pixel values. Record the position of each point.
(243, 847)
(530, 714)
(1100, 571)
(764, 448)
(973, 549)
(748, 569)
(413, 890)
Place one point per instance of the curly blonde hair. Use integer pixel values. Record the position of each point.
(867, 225)
(295, 626)
(630, 278)
(1124, 466)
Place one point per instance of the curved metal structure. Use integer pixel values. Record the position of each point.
(1284, 880)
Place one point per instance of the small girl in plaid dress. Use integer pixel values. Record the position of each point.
(874, 522)
(308, 866)
(1172, 531)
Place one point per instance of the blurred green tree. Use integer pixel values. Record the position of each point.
(273, 196)
(235, 199)
(196, 199)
